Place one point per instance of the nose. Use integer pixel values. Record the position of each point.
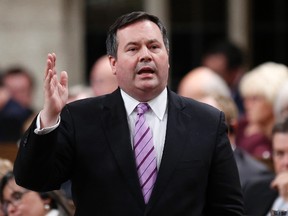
(11, 208)
(145, 55)
(285, 161)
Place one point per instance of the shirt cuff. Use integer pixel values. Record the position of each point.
(41, 131)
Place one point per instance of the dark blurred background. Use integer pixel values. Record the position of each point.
(194, 25)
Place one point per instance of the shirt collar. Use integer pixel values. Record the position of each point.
(53, 212)
(158, 105)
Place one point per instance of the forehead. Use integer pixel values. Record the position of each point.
(280, 141)
(140, 30)
(11, 186)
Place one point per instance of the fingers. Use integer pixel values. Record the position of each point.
(53, 60)
(50, 78)
(50, 66)
(280, 183)
(64, 79)
(51, 63)
(274, 184)
(51, 74)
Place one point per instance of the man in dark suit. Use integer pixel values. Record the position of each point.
(91, 142)
(271, 192)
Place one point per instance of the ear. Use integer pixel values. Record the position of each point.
(113, 63)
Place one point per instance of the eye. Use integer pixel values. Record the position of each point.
(279, 154)
(17, 195)
(154, 47)
(132, 49)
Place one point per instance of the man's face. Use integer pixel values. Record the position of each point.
(20, 89)
(280, 152)
(142, 63)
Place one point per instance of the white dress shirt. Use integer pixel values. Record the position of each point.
(53, 212)
(279, 204)
(156, 118)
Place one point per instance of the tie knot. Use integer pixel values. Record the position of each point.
(142, 108)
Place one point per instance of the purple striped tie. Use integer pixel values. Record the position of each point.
(144, 152)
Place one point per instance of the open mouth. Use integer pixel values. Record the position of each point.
(146, 70)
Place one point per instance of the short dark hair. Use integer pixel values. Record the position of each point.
(4, 181)
(19, 70)
(280, 127)
(127, 19)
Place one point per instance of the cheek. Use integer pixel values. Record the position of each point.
(265, 111)
(32, 210)
(32, 205)
(6, 193)
(261, 110)
(280, 165)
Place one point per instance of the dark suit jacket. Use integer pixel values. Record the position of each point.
(259, 196)
(92, 147)
(249, 168)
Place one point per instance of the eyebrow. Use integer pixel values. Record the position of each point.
(136, 43)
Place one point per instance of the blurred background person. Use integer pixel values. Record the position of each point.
(281, 103)
(5, 166)
(228, 61)
(266, 193)
(201, 82)
(17, 200)
(102, 79)
(20, 83)
(12, 116)
(259, 88)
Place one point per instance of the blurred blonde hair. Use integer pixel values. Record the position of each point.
(228, 106)
(264, 80)
(281, 103)
(5, 166)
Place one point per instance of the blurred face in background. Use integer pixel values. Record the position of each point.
(258, 109)
(21, 202)
(280, 152)
(20, 89)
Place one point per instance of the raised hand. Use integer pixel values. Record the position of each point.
(55, 93)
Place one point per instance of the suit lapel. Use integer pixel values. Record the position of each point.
(118, 135)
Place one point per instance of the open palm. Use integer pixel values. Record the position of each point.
(55, 92)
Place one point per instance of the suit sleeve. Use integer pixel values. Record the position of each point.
(42, 160)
